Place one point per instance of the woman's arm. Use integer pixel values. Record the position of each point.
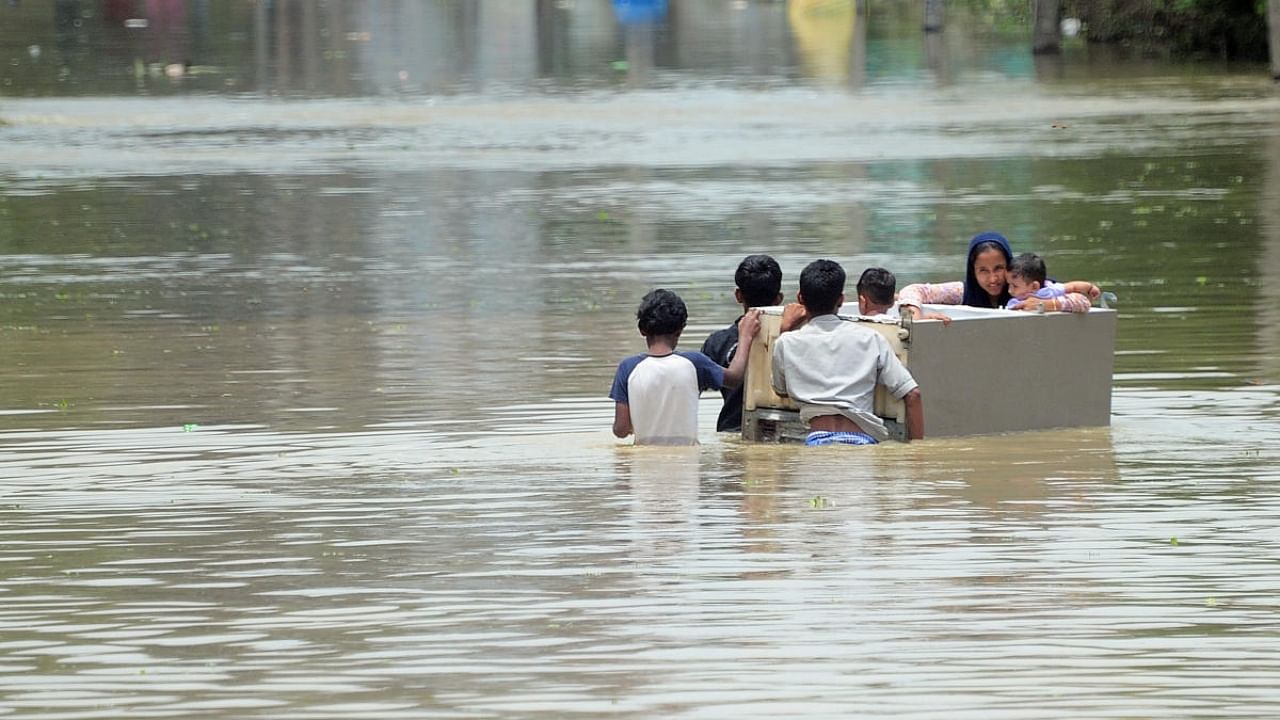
(1071, 302)
(913, 296)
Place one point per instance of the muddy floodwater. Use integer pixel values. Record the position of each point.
(309, 311)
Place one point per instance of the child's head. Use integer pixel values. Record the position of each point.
(759, 281)
(1026, 275)
(878, 286)
(661, 312)
(822, 287)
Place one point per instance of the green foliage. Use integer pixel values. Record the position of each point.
(1229, 29)
(1001, 14)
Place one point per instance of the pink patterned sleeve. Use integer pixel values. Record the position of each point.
(917, 294)
(1074, 303)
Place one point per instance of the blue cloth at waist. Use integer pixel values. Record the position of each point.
(841, 437)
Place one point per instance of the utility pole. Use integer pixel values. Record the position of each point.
(1045, 17)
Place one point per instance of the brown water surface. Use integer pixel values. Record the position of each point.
(310, 311)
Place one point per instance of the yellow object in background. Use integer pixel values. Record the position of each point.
(823, 30)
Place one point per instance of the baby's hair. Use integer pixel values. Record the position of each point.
(1029, 267)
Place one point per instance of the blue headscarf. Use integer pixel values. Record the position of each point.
(975, 294)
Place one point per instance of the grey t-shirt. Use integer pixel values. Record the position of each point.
(831, 366)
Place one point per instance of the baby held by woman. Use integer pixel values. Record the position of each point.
(1031, 290)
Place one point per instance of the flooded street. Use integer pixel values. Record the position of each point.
(310, 312)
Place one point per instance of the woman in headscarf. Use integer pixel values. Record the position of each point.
(985, 285)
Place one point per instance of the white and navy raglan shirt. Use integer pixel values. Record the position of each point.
(662, 392)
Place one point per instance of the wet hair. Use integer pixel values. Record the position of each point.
(1029, 267)
(661, 312)
(760, 279)
(878, 284)
(821, 284)
(975, 294)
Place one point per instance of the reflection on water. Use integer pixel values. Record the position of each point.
(307, 574)
(824, 33)
(309, 312)
(353, 48)
(1269, 262)
(359, 298)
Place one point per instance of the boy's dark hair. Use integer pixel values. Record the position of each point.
(878, 284)
(1029, 267)
(759, 277)
(661, 312)
(821, 284)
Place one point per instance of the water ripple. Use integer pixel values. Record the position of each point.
(970, 577)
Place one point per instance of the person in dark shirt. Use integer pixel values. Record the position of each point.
(759, 284)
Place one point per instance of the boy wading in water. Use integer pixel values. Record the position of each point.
(758, 282)
(830, 367)
(655, 393)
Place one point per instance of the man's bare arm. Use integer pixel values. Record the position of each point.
(915, 414)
